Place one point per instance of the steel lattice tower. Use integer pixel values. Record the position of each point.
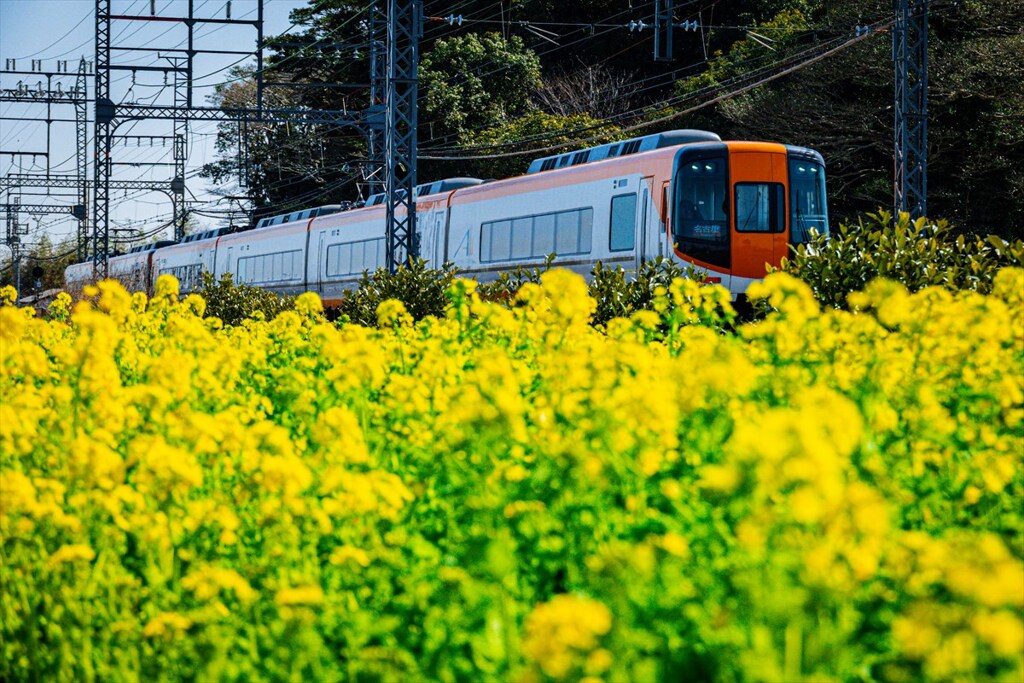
(182, 97)
(103, 127)
(404, 23)
(374, 171)
(81, 141)
(910, 59)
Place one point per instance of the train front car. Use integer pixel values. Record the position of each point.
(737, 207)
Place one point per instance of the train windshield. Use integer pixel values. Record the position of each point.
(808, 213)
(700, 223)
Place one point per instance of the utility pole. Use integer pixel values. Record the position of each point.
(404, 28)
(81, 162)
(110, 115)
(374, 172)
(103, 128)
(182, 101)
(910, 61)
(54, 93)
(663, 30)
(13, 240)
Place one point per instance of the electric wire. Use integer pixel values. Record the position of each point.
(662, 119)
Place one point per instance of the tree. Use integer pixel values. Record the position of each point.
(475, 81)
(843, 108)
(537, 129)
(597, 91)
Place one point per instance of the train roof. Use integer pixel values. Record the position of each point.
(805, 153)
(302, 215)
(669, 138)
(209, 234)
(152, 246)
(424, 189)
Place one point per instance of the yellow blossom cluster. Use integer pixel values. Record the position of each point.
(509, 493)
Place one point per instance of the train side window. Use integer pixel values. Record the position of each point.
(562, 233)
(332, 261)
(622, 229)
(357, 257)
(501, 240)
(344, 259)
(522, 236)
(760, 207)
(543, 235)
(586, 230)
(378, 255)
(567, 233)
(485, 241)
(370, 252)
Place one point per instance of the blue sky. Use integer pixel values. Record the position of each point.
(53, 30)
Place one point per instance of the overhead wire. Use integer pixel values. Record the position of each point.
(670, 76)
(673, 76)
(675, 114)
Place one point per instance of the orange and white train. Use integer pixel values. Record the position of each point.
(728, 208)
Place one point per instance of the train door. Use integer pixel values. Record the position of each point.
(321, 269)
(664, 246)
(641, 221)
(229, 267)
(758, 200)
(439, 239)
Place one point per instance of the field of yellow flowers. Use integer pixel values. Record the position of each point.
(509, 494)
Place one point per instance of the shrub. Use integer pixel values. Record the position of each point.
(619, 296)
(916, 253)
(417, 286)
(508, 284)
(234, 302)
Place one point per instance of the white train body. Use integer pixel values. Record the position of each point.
(728, 208)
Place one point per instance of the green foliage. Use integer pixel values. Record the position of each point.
(551, 129)
(474, 81)
(508, 283)
(420, 288)
(619, 296)
(234, 302)
(744, 54)
(917, 254)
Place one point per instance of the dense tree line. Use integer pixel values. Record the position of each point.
(526, 74)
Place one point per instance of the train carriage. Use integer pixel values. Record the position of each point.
(728, 208)
(187, 261)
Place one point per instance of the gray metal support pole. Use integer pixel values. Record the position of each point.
(81, 152)
(910, 130)
(182, 93)
(101, 141)
(375, 114)
(664, 30)
(404, 24)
